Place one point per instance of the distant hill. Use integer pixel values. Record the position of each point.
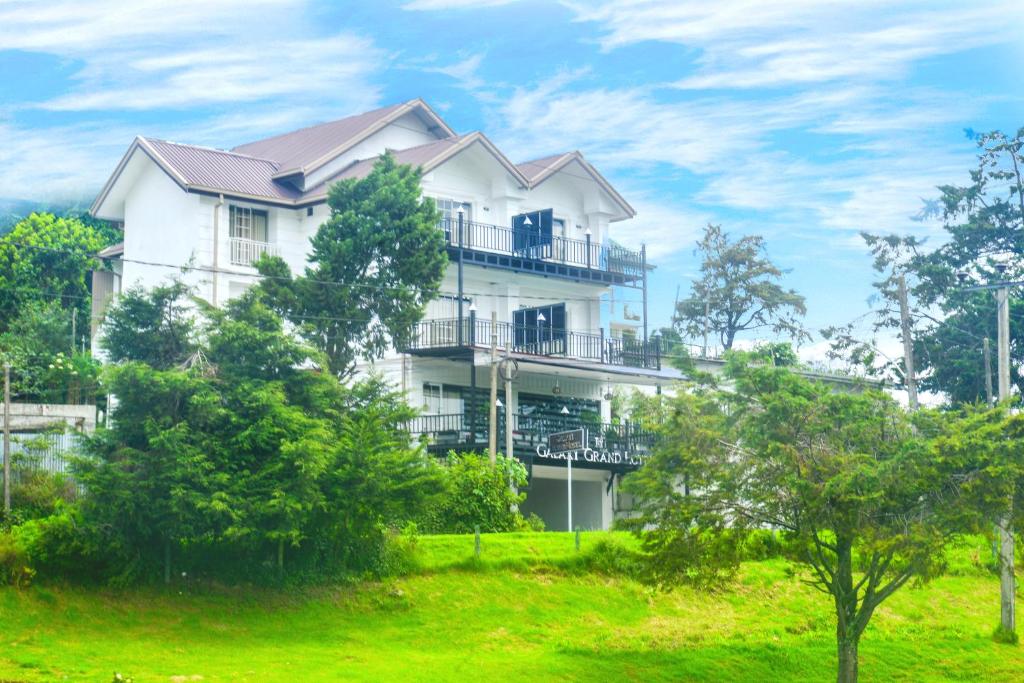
(13, 210)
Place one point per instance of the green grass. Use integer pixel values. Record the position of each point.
(524, 611)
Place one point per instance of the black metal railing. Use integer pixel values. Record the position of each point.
(454, 432)
(538, 341)
(610, 258)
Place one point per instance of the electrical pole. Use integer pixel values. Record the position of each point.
(1008, 617)
(987, 353)
(492, 441)
(707, 315)
(508, 407)
(7, 438)
(74, 326)
(908, 345)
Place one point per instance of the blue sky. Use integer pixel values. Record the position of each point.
(802, 121)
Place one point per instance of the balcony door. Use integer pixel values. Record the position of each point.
(540, 330)
(531, 234)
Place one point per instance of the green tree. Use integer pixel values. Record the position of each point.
(738, 291)
(154, 327)
(374, 265)
(984, 225)
(45, 258)
(867, 502)
(244, 453)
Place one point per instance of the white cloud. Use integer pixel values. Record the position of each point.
(236, 69)
(340, 65)
(749, 43)
(430, 5)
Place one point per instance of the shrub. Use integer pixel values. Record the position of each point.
(531, 523)
(477, 494)
(37, 493)
(14, 565)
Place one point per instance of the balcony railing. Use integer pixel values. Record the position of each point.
(245, 252)
(442, 433)
(538, 341)
(587, 254)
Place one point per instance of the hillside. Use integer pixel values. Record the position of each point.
(532, 608)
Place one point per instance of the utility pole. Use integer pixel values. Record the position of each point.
(7, 438)
(908, 345)
(508, 406)
(987, 352)
(492, 441)
(707, 316)
(74, 326)
(1008, 616)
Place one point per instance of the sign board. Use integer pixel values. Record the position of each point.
(572, 440)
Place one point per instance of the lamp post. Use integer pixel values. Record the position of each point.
(1008, 615)
(540, 332)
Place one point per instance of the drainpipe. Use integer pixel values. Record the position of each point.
(216, 245)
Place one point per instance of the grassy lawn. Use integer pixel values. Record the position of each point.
(524, 611)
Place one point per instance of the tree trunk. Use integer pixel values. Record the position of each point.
(280, 556)
(847, 650)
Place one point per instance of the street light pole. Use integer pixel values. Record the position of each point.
(1008, 616)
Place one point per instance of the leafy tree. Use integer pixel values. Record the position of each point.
(45, 258)
(152, 327)
(739, 291)
(375, 264)
(984, 225)
(244, 452)
(866, 501)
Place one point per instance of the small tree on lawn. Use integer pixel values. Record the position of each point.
(866, 501)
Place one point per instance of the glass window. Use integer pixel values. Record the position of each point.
(449, 211)
(248, 224)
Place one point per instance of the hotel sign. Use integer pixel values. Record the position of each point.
(593, 456)
(572, 440)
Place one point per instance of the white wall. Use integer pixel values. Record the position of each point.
(162, 225)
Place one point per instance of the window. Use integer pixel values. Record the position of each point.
(543, 335)
(449, 209)
(442, 399)
(248, 224)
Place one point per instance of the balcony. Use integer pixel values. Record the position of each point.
(437, 337)
(246, 252)
(616, 446)
(499, 247)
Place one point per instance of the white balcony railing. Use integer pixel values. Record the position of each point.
(245, 252)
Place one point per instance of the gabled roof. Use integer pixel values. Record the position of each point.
(427, 157)
(258, 170)
(307, 149)
(214, 169)
(539, 170)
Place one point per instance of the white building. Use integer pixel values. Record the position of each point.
(533, 247)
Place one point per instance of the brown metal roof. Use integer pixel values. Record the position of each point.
(306, 149)
(537, 167)
(222, 171)
(260, 170)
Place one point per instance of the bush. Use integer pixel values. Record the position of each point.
(37, 493)
(60, 546)
(14, 565)
(477, 494)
